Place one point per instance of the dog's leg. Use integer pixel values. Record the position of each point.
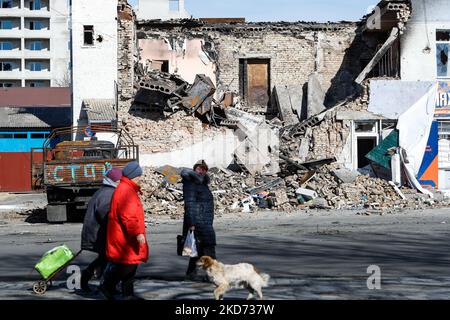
(220, 291)
(259, 292)
(251, 292)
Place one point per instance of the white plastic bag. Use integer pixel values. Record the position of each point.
(190, 248)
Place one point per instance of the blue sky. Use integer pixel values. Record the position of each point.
(280, 10)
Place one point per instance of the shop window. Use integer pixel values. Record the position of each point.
(6, 136)
(20, 136)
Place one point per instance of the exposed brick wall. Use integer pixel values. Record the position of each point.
(295, 50)
(126, 54)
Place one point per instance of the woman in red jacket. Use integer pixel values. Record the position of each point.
(126, 244)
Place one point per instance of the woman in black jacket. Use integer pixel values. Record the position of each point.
(198, 212)
(93, 235)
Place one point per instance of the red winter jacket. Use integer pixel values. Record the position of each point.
(125, 222)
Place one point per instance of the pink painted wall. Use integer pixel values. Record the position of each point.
(187, 64)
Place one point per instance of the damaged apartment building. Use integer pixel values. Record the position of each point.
(335, 95)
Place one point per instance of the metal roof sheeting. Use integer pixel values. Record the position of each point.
(100, 110)
(35, 117)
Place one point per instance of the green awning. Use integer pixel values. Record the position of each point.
(380, 155)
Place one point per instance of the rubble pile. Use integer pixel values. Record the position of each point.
(363, 192)
(229, 189)
(156, 134)
(160, 199)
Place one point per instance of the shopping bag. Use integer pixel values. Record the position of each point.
(53, 260)
(190, 247)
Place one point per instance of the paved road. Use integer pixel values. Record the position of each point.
(310, 255)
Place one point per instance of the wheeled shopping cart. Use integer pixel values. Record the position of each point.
(51, 265)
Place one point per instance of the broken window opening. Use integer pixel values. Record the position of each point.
(389, 65)
(443, 35)
(88, 35)
(364, 146)
(5, 66)
(442, 52)
(6, 4)
(365, 126)
(161, 65)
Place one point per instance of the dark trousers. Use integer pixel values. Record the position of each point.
(202, 251)
(98, 264)
(118, 272)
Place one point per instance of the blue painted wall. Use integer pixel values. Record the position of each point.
(21, 141)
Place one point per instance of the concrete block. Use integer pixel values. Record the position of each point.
(316, 96)
(289, 101)
(345, 175)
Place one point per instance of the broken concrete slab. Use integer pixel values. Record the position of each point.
(247, 122)
(288, 101)
(304, 146)
(346, 175)
(258, 153)
(316, 96)
(306, 193)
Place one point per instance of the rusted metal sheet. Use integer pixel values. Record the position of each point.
(15, 172)
(258, 82)
(200, 95)
(79, 173)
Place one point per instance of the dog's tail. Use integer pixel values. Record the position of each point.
(265, 278)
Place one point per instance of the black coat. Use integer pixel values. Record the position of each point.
(198, 207)
(93, 235)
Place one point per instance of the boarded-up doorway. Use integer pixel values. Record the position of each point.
(255, 81)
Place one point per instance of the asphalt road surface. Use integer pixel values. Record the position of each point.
(309, 255)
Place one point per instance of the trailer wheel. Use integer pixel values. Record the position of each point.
(40, 287)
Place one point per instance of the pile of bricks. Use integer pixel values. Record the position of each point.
(154, 133)
(365, 192)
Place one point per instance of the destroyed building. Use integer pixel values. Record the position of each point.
(317, 88)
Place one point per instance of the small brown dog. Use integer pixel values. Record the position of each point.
(228, 276)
